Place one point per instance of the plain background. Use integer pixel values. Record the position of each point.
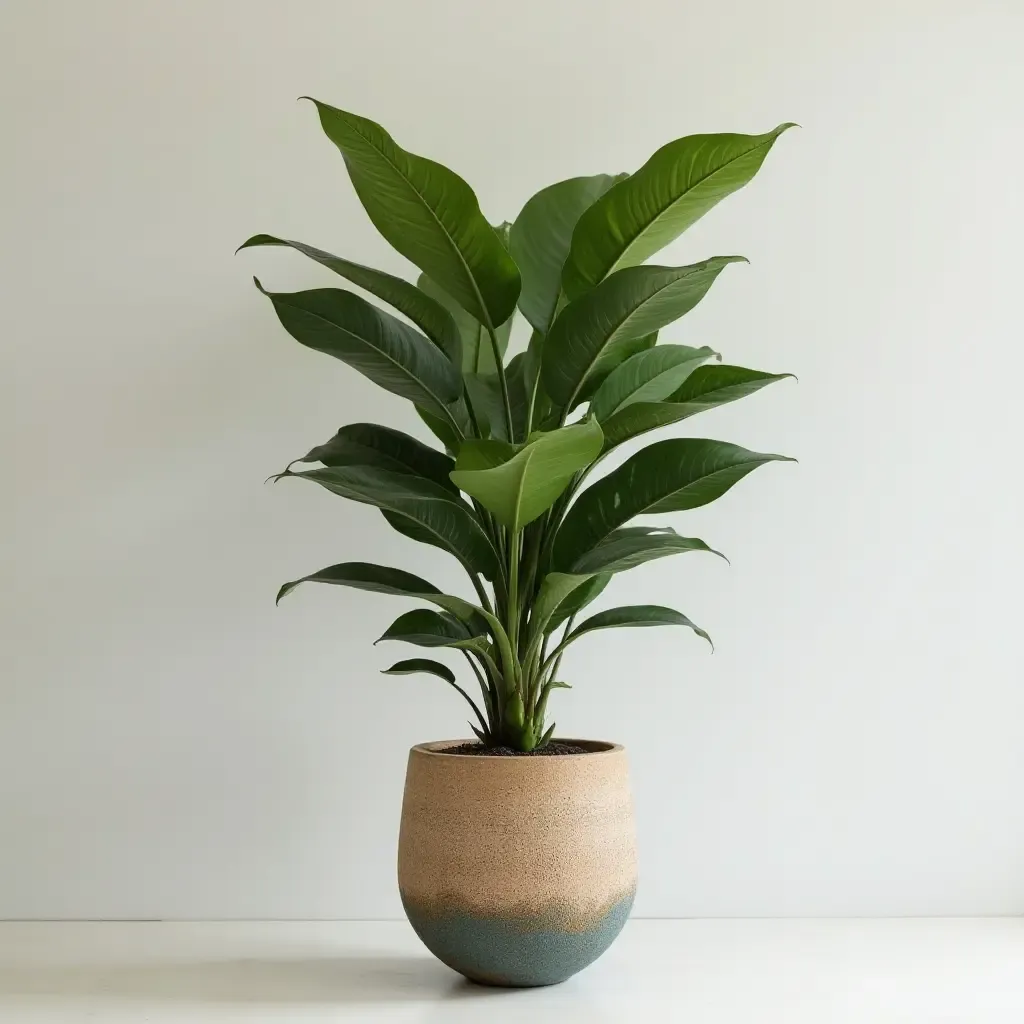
(171, 745)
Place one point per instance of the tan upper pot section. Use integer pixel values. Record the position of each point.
(541, 848)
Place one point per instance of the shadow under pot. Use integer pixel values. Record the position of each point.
(517, 871)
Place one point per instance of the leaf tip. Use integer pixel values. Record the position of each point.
(259, 287)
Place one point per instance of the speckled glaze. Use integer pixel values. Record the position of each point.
(517, 871)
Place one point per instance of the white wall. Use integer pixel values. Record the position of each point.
(172, 745)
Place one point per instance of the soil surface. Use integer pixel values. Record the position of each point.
(554, 748)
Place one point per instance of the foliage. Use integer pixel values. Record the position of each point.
(522, 434)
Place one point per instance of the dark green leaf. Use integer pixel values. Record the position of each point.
(369, 444)
(425, 627)
(643, 213)
(555, 590)
(434, 509)
(429, 214)
(441, 428)
(633, 545)
(634, 615)
(705, 388)
(382, 579)
(588, 335)
(488, 406)
(540, 242)
(477, 350)
(435, 668)
(389, 352)
(426, 313)
(519, 490)
(668, 476)
(649, 376)
(578, 600)
(412, 665)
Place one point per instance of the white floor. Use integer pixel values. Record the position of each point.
(697, 972)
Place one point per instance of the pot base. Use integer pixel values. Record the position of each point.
(514, 952)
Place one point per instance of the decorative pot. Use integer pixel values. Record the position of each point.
(517, 871)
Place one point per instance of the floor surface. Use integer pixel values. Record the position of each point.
(697, 972)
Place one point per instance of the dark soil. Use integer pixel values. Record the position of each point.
(553, 748)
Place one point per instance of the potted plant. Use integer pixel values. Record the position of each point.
(518, 869)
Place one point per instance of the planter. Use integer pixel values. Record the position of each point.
(517, 871)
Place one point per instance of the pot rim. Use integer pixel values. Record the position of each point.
(437, 748)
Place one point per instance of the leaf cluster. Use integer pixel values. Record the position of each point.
(511, 495)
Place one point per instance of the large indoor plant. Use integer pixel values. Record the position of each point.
(521, 870)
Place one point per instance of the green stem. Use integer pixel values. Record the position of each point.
(503, 383)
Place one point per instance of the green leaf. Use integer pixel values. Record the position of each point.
(668, 476)
(633, 545)
(705, 388)
(589, 333)
(441, 428)
(378, 345)
(435, 510)
(648, 376)
(425, 627)
(429, 214)
(525, 390)
(578, 600)
(412, 665)
(556, 588)
(644, 212)
(519, 490)
(633, 615)
(484, 453)
(540, 240)
(369, 444)
(435, 668)
(382, 579)
(426, 313)
(488, 406)
(477, 351)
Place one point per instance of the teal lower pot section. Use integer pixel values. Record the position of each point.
(516, 952)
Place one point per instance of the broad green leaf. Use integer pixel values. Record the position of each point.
(413, 665)
(519, 490)
(526, 393)
(589, 333)
(484, 453)
(556, 588)
(578, 600)
(610, 361)
(477, 350)
(633, 545)
(705, 388)
(425, 627)
(633, 615)
(540, 240)
(369, 444)
(484, 393)
(440, 428)
(426, 313)
(668, 476)
(435, 510)
(429, 214)
(649, 376)
(382, 579)
(435, 668)
(644, 212)
(378, 345)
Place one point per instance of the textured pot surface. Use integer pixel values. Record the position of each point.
(517, 870)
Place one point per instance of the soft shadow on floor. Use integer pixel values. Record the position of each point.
(364, 978)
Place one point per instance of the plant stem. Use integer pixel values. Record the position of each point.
(503, 383)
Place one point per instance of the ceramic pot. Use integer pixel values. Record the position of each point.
(517, 871)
